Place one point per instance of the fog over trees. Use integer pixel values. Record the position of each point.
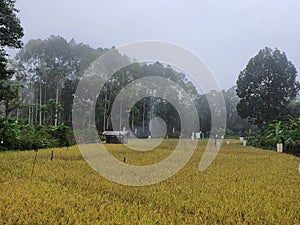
(38, 87)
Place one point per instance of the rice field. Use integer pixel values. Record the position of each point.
(243, 185)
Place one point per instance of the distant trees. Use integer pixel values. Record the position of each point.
(37, 90)
(51, 69)
(266, 86)
(235, 124)
(145, 109)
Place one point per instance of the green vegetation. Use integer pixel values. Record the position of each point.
(11, 34)
(17, 134)
(266, 87)
(285, 131)
(243, 185)
(48, 73)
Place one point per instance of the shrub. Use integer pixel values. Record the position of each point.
(16, 134)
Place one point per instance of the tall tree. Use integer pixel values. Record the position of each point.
(266, 86)
(11, 33)
(58, 62)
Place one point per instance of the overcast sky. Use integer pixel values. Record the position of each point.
(224, 34)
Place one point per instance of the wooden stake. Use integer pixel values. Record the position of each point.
(52, 156)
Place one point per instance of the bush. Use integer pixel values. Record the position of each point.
(85, 136)
(17, 135)
(60, 133)
(293, 148)
(288, 130)
(176, 134)
(261, 142)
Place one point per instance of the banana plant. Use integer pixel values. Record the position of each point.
(293, 129)
(275, 131)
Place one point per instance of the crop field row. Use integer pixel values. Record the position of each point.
(243, 185)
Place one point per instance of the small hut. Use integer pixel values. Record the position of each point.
(116, 137)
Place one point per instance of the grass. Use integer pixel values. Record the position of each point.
(243, 185)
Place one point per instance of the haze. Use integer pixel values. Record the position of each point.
(225, 34)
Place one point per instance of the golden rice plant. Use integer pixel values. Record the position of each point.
(243, 185)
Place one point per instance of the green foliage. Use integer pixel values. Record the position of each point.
(50, 109)
(60, 133)
(52, 68)
(235, 123)
(266, 86)
(11, 33)
(17, 134)
(260, 141)
(10, 96)
(86, 135)
(11, 30)
(10, 132)
(286, 130)
(147, 108)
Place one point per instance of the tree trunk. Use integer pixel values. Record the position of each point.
(107, 122)
(40, 112)
(36, 111)
(144, 111)
(45, 100)
(104, 114)
(121, 112)
(29, 114)
(30, 104)
(132, 121)
(56, 110)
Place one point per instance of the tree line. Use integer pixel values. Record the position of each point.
(38, 85)
(47, 73)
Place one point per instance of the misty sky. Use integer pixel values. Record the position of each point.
(224, 34)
